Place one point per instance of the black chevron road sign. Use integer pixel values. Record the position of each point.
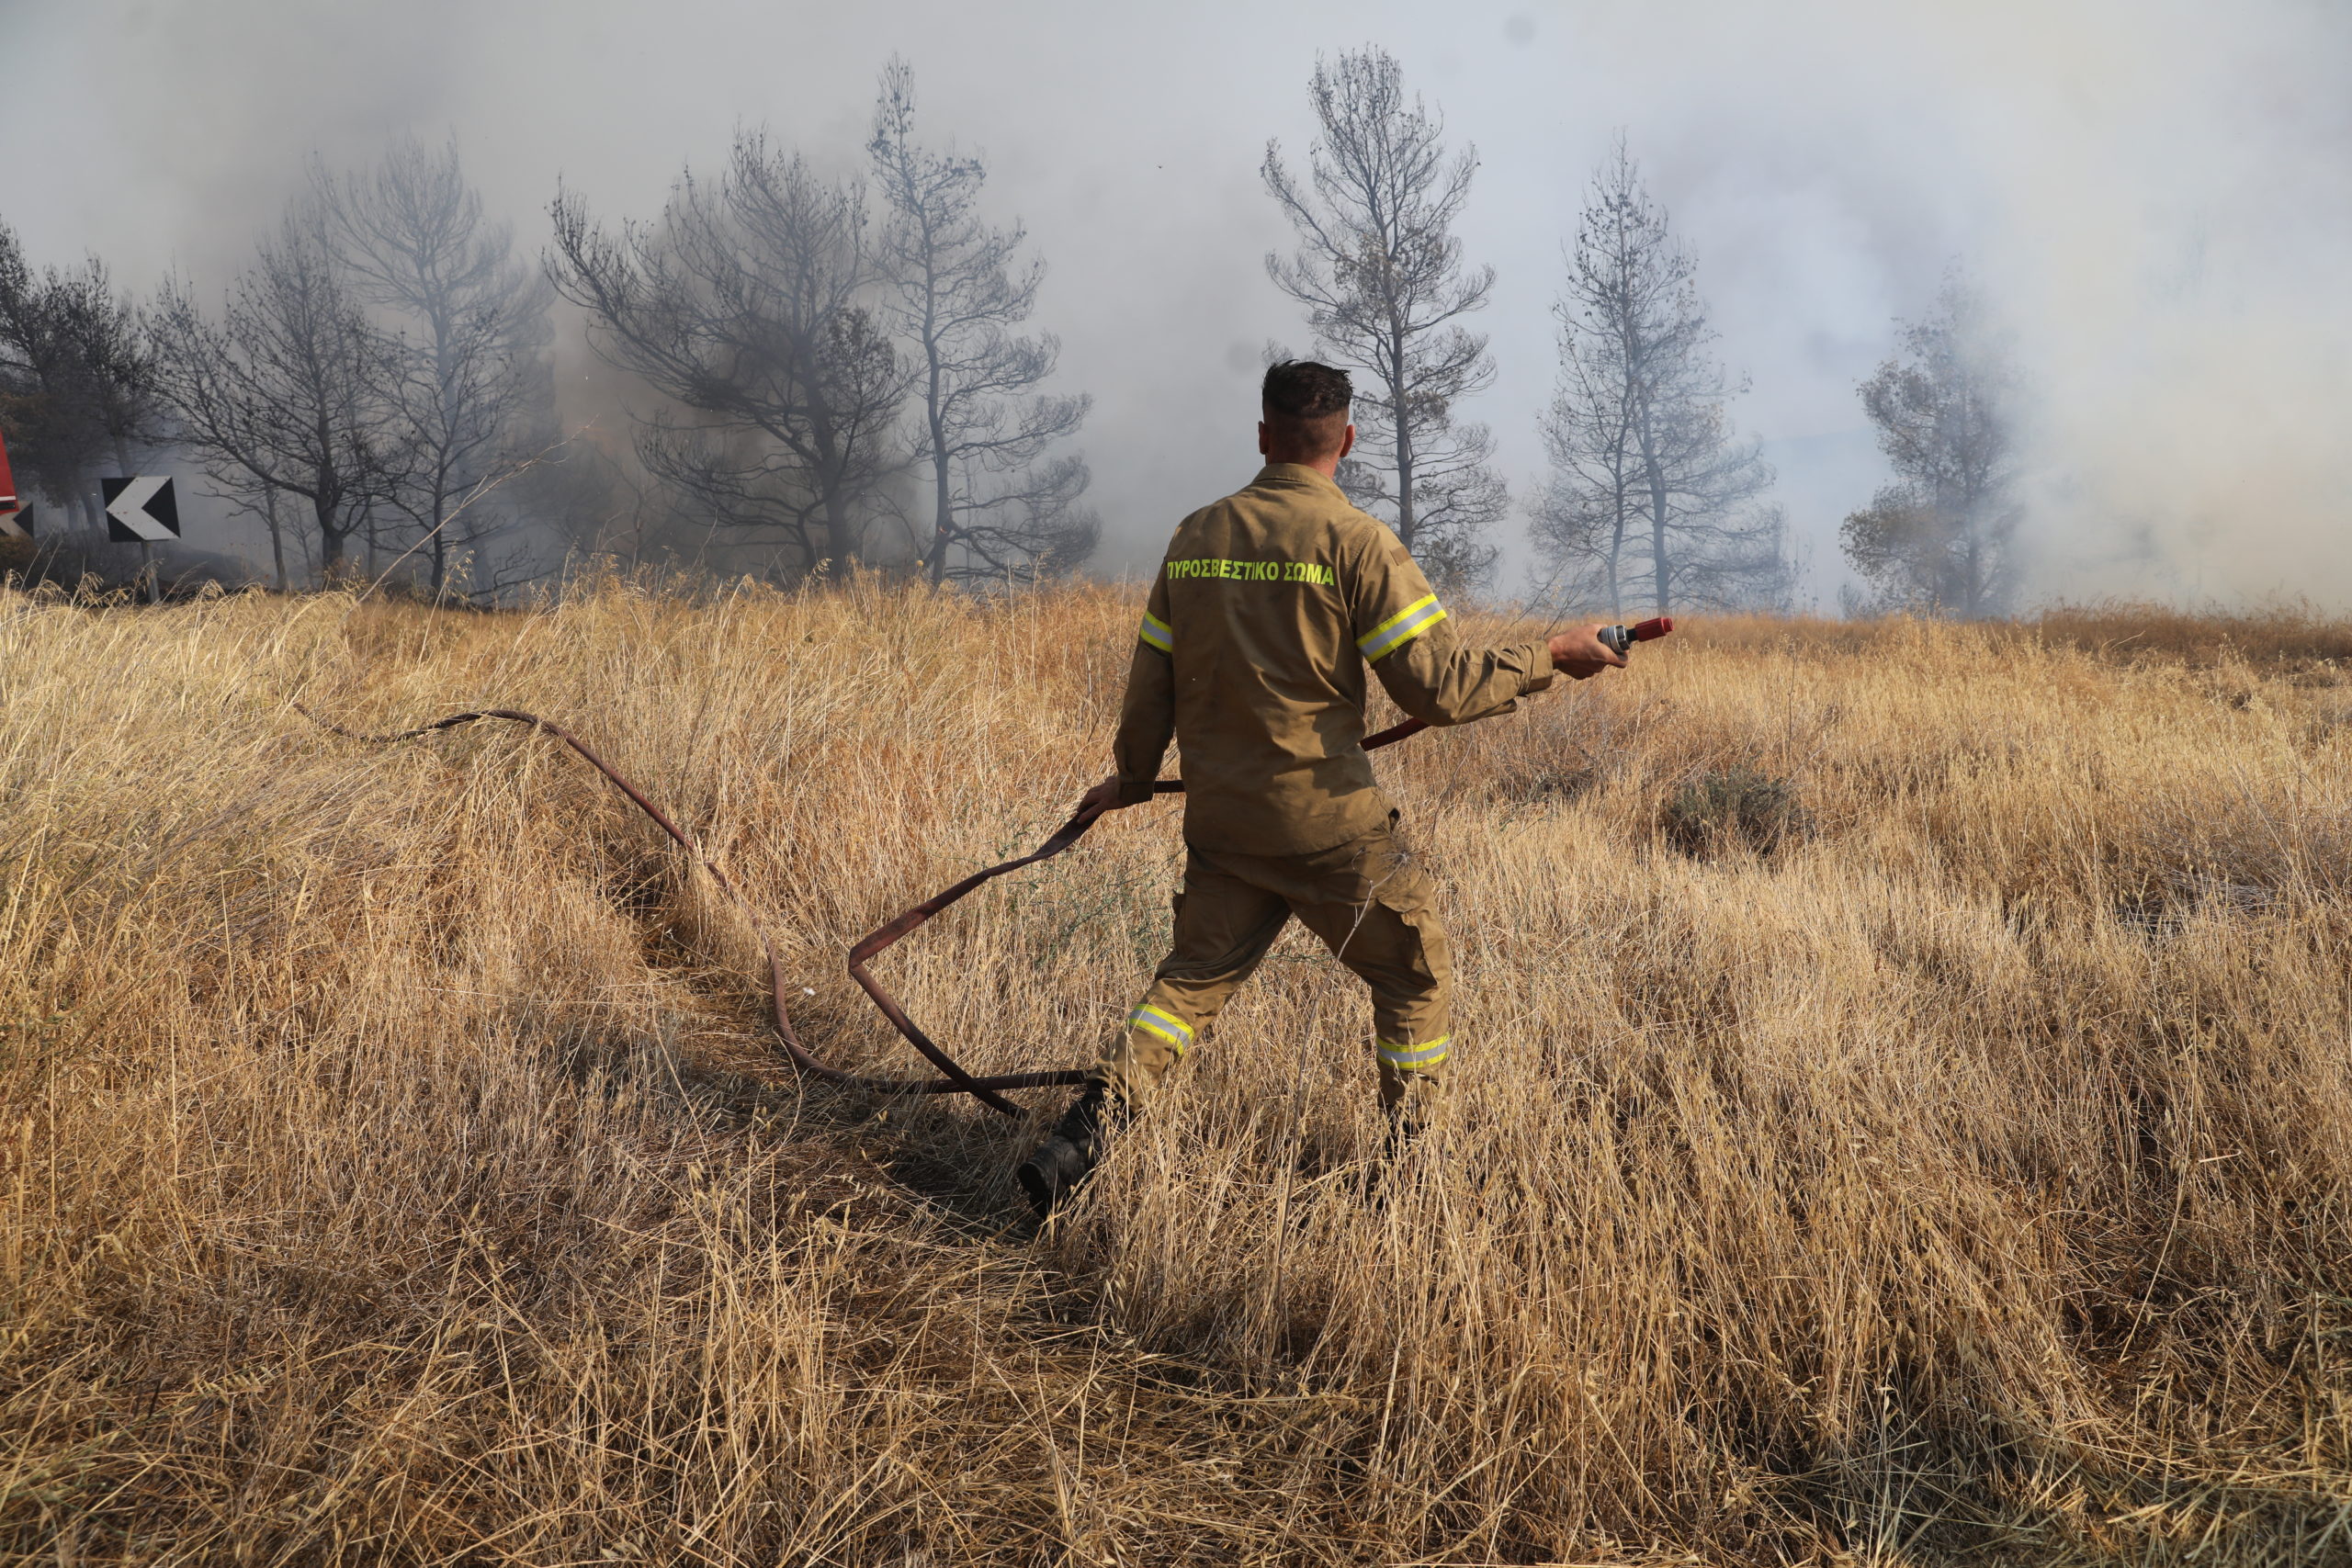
(140, 510)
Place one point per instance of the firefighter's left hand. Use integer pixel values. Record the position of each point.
(1580, 654)
(1103, 796)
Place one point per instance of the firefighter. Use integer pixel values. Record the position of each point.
(1251, 654)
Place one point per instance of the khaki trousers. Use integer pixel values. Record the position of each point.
(1368, 902)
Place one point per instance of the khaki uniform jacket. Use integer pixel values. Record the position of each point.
(1251, 655)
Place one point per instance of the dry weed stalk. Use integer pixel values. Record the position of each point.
(396, 1170)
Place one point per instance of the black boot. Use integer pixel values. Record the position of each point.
(1403, 1132)
(1069, 1152)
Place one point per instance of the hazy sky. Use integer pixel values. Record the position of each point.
(2158, 195)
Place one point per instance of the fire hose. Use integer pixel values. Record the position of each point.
(990, 1091)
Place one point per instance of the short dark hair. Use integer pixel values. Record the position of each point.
(1302, 390)
(1306, 407)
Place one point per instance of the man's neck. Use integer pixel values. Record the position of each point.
(1328, 466)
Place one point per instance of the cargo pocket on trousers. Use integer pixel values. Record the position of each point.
(1419, 939)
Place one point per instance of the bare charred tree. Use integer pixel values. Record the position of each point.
(1651, 495)
(1942, 538)
(749, 303)
(1380, 273)
(467, 325)
(291, 392)
(78, 382)
(959, 288)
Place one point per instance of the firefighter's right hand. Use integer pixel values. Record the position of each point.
(1103, 796)
(1580, 654)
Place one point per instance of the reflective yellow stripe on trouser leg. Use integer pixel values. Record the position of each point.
(1414, 1058)
(1414, 1073)
(1160, 1025)
(1155, 1041)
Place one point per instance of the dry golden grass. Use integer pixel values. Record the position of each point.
(397, 1171)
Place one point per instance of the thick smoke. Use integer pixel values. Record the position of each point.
(2158, 195)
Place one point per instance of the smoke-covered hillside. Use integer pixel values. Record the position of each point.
(2150, 203)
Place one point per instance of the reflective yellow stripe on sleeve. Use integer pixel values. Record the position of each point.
(1401, 628)
(1158, 632)
(1411, 1058)
(1167, 1025)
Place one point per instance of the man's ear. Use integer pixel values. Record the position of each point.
(1262, 448)
(1347, 442)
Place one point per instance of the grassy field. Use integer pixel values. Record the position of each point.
(1901, 1117)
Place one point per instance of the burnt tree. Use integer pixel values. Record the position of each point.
(750, 304)
(1651, 493)
(467, 326)
(291, 391)
(1942, 538)
(958, 290)
(1380, 272)
(79, 385)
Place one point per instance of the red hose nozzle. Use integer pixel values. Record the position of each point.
(1621, 638)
